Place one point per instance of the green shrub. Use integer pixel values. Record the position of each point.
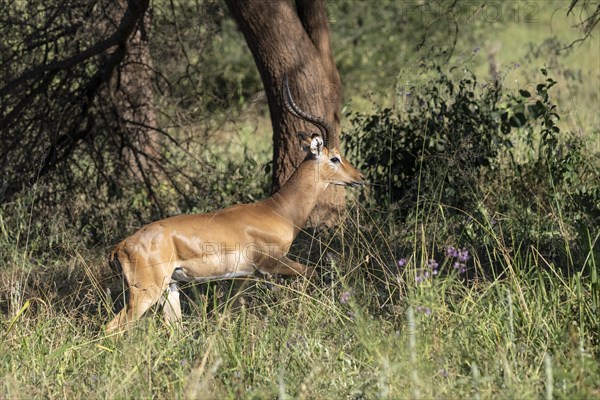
(438, 136)
(494, 162)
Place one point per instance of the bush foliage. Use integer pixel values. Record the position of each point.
(477, 150)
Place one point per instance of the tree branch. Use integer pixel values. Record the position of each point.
(135, 10)
(312, 15)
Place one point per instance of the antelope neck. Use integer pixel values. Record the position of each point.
(298, 196)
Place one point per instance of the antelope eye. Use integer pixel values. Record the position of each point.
(335, 160)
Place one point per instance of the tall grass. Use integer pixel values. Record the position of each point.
(371, 329)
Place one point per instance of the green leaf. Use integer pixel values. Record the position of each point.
(524, 93)
(518, 120)
(540, 88)
(536, 110)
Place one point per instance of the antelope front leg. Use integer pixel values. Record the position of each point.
(285, 266)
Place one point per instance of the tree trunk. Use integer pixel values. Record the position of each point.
(294, 41)
(130, 95)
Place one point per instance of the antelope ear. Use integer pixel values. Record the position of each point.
(316, 144)
(313, 143)
(304, 141)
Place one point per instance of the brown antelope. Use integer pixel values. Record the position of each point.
(233, 242)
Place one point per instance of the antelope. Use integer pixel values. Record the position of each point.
(233, 242)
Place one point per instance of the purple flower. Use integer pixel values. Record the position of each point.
(460, 267)
(432, 264)
(424, 310)
(463, 255)
(451, 252)
(401, 262)
(345, 297)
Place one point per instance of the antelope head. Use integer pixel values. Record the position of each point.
(332, 165)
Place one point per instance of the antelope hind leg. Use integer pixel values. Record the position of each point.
(171, 305)
(118, 322)
(140, 300)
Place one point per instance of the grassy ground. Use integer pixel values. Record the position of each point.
(371, 329)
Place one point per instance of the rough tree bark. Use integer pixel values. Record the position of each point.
(130, 96)
(296, 41)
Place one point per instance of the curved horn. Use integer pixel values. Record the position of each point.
(293, 109)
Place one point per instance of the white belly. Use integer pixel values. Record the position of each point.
(180, 275)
